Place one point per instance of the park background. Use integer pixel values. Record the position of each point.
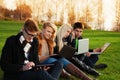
(100, 17)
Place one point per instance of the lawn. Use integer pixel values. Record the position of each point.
(111, 56)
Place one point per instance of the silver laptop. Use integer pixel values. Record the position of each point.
(103, 48)
(83, 46)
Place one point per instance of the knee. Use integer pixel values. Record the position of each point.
(51, 60)
(64, 61)
(96, 57)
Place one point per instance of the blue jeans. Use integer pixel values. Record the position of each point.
(64, 61)
(52, 74)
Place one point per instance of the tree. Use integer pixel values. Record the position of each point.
(22, 12)
(1, 11)
(118, 15)
(72, 16)
(49, 14)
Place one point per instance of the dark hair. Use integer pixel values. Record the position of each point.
(78, 25)
(31, 25)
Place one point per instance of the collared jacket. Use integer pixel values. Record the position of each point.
(12, 58)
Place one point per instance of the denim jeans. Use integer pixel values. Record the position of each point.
(90, 61)
(64, 61)
(52, 74)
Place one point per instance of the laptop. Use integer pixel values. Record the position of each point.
(83, 46)
(66, 52)
(103, 48)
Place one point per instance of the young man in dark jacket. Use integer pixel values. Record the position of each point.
(89, 59)
(20, 56)
(84, 61)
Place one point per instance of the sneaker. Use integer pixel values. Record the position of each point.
(100, 66)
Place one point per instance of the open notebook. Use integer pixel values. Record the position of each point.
(103, 48)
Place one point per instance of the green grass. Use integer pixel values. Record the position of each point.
(111, 56)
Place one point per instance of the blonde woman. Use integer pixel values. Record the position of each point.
(46, 40)
(63, 32)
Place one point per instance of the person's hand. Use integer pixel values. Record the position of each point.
(88, 54)
(28, 66)
(43, 58)
(73, 34)
(46, 68)
(97, 50)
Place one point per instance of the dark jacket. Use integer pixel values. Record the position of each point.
(12, 58)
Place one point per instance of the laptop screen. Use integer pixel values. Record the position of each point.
(83, 46)
(67, 52)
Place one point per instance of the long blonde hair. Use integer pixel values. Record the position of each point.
(50, 41)
(53, 26)
(60, 34)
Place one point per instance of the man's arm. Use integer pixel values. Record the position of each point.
(7, 58)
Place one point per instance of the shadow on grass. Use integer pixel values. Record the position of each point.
(1, 74)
